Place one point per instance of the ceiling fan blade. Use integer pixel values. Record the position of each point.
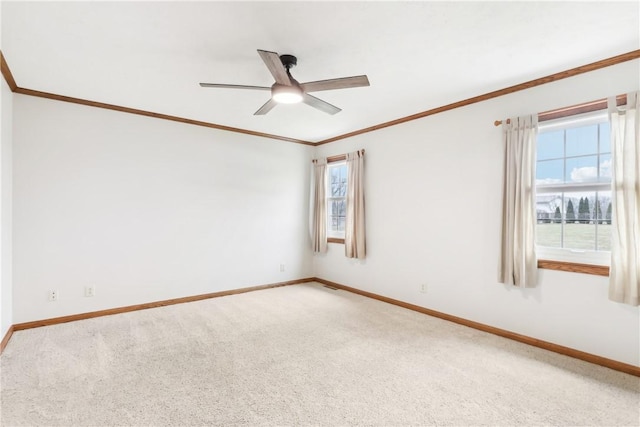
(341, 83)
(268, 106)
(224, 86)
(320, 104)
(274, 64)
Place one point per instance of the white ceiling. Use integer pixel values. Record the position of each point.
(417, 55)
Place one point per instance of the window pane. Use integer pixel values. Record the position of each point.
(337, 207)
(605, 138)
(549, 213)
(550, 145)
(582, 140)
(337, 210)
(582, 169)
(549, 171)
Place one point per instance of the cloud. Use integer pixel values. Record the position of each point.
(590, 173)
(548, 181)
(587, 173)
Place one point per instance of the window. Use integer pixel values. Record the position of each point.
(573, 189)
(336, 200)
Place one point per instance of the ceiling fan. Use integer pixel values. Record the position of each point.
(287, 90)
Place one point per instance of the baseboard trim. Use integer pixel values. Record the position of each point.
(6, 339)
(163, 303)
(567, 351)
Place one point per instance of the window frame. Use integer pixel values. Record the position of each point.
(567, 259)
(333, 162)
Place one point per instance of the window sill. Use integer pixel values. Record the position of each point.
(573, 267)
(335, 240)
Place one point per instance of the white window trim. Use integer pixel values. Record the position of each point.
(580, 187)
(574, 255)
(566, 254)
(577, 120)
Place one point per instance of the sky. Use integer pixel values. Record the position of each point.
(587, 150)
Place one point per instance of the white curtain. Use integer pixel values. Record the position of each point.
(319, 206)
(518, 263)
(624, 276)
(354, 241)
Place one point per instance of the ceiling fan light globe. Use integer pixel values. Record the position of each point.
(287, 98)
(286, 94)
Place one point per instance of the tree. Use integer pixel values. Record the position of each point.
(598, 214)
(581, 210)
(571, 215)
(557, 216)
(608, 217)
(586, 214)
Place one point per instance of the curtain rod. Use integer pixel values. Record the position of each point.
(338, 157)
(587, 107)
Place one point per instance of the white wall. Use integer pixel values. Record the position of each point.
(6, 126)
(146, 209)
(433, 200)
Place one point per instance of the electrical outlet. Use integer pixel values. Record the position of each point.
(281, 268)
(53, 295)
(423, 288)
(89, 291)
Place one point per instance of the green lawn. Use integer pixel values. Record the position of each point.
(576, 236)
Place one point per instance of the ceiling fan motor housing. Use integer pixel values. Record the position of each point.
(289, 61)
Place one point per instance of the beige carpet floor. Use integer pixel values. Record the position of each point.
(298, 355)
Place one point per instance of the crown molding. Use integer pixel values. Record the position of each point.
(614, 60)
(8, 76)
(6, 73)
